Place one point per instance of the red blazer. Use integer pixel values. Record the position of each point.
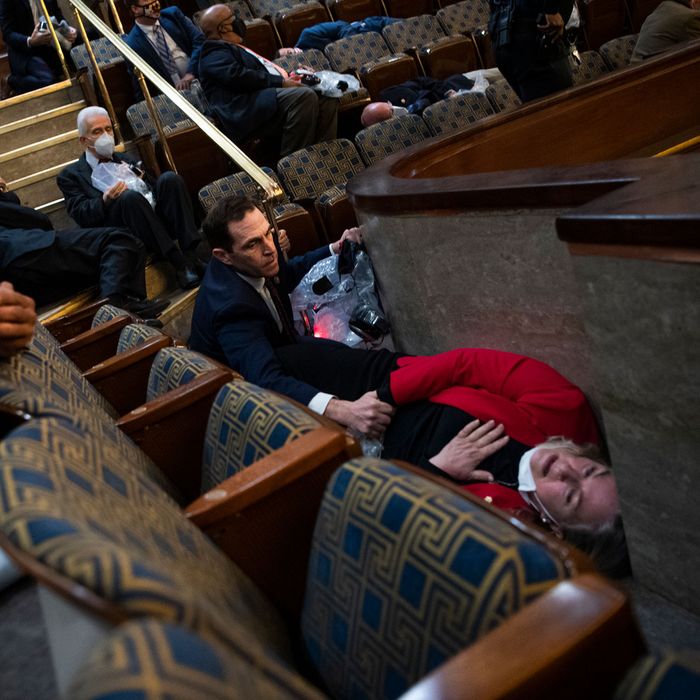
(532, 400)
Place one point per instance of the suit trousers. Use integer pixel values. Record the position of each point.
(303, 117)
(172, 220)
(78, 258)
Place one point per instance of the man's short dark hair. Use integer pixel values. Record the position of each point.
(215, 225)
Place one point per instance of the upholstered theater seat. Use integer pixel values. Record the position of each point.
(140, 118)
(502, 96)
(457, 113)
(592, 66)
(291, 21)
(663, 676)
(412, 33)
(151, 659)
(380, 140)
(348, 54)
(464, 17)
(448, 55)
(617, 52)
(317, 174)
(296, 221)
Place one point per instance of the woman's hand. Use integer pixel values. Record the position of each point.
(471, 446)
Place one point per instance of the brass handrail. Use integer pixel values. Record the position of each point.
(270, 187)
(54, 38)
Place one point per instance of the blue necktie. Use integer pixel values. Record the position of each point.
(164, 52)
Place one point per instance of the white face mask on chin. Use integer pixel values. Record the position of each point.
(104, 146)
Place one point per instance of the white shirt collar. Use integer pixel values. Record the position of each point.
(92, 159)
(148, 28)
(257, 283)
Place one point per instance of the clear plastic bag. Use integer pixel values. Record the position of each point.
(326, 303)
(106, 175)
(335, 84)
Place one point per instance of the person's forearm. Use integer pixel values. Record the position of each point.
(339, 411)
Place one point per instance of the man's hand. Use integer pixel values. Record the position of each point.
(292, 81)
(39, 38)
(471, 446)
(184, 82)
(3, 185)
(114, 191)
(17, 319)
(351, 234)
(71, 34)
(554, 26)
(285, 243)
(368, 415)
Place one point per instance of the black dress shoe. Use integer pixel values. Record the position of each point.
(145, 308)
(5, 89)
(187, 277)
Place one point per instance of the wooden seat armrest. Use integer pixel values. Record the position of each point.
(96, 344)
(575, 641)
(263, 518)
(170, 429)
(70, 325)
(122, 379)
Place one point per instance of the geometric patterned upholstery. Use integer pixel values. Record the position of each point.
(351, 52)
(380, 140)
(413, 32)
(464, 17)
(140, 118)
(104, 51)
(618, 52)
(151, 659)
(592, 66)
(457, 113)
(502, 96)
(666, 676)
(242, 8)
(403, 574)
(329, 198)
(107, 312)
(247, 423)
(136, 334)
(269, 8)
(237, 184)
(306, 173)
(104, 525)
(42, 374)
(175, 367)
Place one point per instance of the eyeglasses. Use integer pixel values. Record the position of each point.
(150, 5)
(547, 518)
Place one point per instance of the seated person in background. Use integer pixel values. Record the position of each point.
(251, 96)
(50, 265)
(320, 35)
(412, 97)
(166, 39)
(671, 23)
(242, 313)
(34, 62)
(173, 217)
(17, 319)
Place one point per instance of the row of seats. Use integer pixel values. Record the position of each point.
(382, 573)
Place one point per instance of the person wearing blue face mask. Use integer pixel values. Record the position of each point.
(167, 229)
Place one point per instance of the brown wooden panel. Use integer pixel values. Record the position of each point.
(409, 8)
(449, 56)
(384, 74)
(602, 20)
(354, 10)
(260, 37)
(290, 23)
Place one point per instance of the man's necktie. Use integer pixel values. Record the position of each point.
(164, 51)
(288, 332)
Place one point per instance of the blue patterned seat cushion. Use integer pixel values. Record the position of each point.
(403, 574)
(107, 312)
(84, 511)
(247, 423)
(464, 17)
(174, 367)
(150, 659)
(381, 140)
(44, 371)
(136, 334)
(668, 676)
(457, 113)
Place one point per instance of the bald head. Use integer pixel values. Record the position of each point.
(211, 18)
(376, 112)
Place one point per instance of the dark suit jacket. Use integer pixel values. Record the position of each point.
(17, 24)
(232, 324)
(83, 201)
(182, 31)
(241, 93)
(22, 230)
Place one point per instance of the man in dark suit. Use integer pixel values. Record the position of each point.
(243, 314)
(172, 218)
(34, 62)
(250, 95)
(167, 40)
(50, 265)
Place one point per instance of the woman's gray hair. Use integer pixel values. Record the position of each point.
(86, 114)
